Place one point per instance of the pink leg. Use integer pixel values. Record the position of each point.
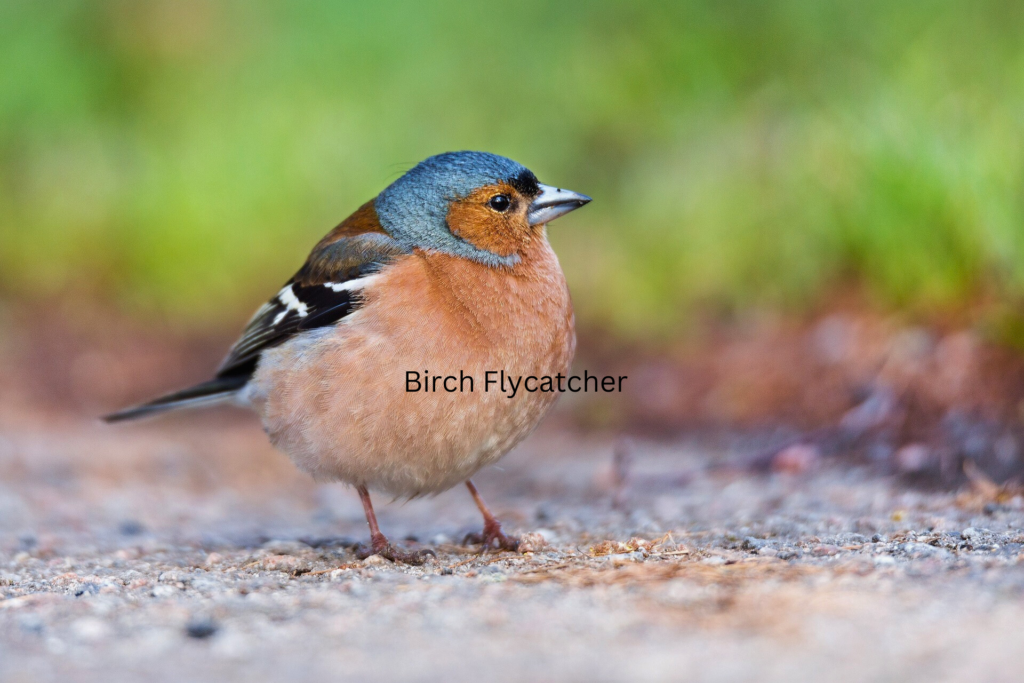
(492, 527)
(379, 544)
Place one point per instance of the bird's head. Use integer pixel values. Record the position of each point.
(474, 205)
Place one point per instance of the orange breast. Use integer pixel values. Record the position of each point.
(338, 402)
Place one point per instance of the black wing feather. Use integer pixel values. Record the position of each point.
(276, 322)
(315, 297)
(204, 393)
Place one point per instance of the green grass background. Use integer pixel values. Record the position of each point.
(179, 157)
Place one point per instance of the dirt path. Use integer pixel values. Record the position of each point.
(190, 548)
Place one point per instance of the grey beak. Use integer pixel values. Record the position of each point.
(553, 202)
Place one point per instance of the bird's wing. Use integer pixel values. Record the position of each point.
(324, 291)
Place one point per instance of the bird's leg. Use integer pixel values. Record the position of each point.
(492, 527)
(379, 544)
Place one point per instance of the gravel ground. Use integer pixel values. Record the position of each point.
(188, 547)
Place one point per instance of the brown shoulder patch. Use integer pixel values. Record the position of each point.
(362, 221)
(346, 250)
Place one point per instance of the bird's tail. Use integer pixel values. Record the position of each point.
(214, 391)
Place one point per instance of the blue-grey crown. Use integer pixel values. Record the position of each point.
(414, 208)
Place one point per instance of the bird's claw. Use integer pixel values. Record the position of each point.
(390, 552)
(492, 537)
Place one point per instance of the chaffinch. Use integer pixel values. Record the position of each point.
(446, 275)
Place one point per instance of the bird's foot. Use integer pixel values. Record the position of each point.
(383, 548)
(493, 537)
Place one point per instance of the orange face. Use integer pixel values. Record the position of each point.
(493, 217)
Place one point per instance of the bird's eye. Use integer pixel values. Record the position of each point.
(500, 203)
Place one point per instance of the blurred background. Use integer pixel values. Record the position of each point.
(805, 251)
(802, 210)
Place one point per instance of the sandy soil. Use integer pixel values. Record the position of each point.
(188, 547)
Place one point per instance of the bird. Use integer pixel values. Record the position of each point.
(447, 272)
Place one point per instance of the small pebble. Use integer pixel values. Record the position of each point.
(532, 542)
(130, 527)
(200, 628)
